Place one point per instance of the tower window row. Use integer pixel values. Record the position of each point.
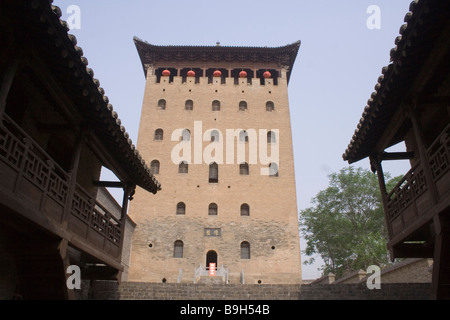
(214, 136)
(183, 167)
(213, 209)
(178, 249)
(215, 105)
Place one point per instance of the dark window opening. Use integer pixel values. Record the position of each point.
(183, 167)
(159, 134)
(216, 105)
(154, 167)
(212, 209)
(162, 104)
(178, 249)
(244, 169)
(181, 208)
(245, 250)
(245, 210)
(189, 105)
(213, 173)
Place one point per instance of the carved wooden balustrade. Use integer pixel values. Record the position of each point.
(31, 175)
(411, 197)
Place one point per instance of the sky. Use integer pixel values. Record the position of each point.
(337, 67)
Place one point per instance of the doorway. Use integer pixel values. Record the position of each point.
(211, 257)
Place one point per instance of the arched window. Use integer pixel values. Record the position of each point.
(243, 169)
(216, 105)
(178, 249)
(213, 173)
(181, 208)
(215, 136)
(154, 167)
(162, 104)
(243, 136)
(242, 106)
(186, 135)
(159, 134)
(189, 105)
(270, 106)
(183, 167)
(245, 210)
(245, 250)
(271, 137)
(273, 169)
(212, 209)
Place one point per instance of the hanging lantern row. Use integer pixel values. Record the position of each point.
(218, 73)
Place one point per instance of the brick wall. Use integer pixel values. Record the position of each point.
(104, 290)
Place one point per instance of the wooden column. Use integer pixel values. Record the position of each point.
(128, 192)
(81, 141)
(441, 260)
(376, 164)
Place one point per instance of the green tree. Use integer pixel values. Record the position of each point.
(346, 224)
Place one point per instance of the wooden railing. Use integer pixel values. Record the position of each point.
(29, 173)
(412, 195)
(439, 155)
(407, 190)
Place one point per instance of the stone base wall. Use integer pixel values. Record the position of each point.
(106, 290)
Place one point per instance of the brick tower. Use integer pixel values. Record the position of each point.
(215, 125)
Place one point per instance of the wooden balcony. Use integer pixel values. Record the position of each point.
(416, 199)
(37, 188)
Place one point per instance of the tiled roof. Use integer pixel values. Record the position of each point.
(68, 59)
(423, 25)
(285, 55)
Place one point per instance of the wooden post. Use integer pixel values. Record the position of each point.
(441, 262)
(376, 163)
(128, 192)
(73, 175)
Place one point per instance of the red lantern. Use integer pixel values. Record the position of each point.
(166, 73)
(217, 73)
(267, 75)
(243, 74)
(191, 73)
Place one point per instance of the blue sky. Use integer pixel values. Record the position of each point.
(337, 67)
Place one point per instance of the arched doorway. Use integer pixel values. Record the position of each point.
(211, 257)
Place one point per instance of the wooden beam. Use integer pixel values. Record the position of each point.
(99, 272)
(109, 184)
(397, 155)
(413, 250)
